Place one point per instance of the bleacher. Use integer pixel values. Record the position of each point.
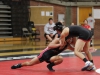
(5, 21)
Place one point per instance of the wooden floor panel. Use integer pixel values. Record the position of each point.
(8, 48)
(19, 53)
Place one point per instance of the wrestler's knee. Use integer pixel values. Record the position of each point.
(60, 58)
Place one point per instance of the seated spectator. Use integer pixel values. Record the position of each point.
(50, 34)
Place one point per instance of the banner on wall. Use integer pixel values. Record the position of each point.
(96, 13)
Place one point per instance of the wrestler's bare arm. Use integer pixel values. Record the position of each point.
(54, 44)
(64, 33)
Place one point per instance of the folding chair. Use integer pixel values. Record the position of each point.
(26, 33)
(35, 33)
(33, 30)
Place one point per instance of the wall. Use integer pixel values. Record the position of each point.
(97, 27)
(97, 21)
(74, 14)
(57, 10)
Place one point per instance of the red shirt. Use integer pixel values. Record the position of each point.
(86, 26)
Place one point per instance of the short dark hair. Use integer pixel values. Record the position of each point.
(50, 19)
(90, 14)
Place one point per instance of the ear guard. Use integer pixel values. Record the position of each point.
(58, 26)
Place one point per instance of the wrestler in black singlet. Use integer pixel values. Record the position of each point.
(80, 32)
(49, 53)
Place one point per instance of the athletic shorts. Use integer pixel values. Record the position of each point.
(53, 35)
(86, 35)
(80, 32)
(46, 55)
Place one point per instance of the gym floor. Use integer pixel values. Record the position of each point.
(20, 51)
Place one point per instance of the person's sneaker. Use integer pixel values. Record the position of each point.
(91, 69)
(50, 68)
(88, 65)
(16, 66)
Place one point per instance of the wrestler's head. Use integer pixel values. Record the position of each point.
(59, 27)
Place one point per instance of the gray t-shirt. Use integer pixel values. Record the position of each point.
(91, 21)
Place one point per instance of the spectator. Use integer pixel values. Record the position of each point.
(48, 30)
(85, 25)
(91, 22)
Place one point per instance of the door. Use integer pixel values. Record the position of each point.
(84, 13)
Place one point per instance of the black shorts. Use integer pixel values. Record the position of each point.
(45, 56)
(51, 37)
(80, 32)
(85, 35)
(47, 34)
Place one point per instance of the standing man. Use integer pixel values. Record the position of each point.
(91, 22)
(48, 30)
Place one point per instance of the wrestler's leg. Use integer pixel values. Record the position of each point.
(78, 48)
(89, 56)
(80, 44)
(54, 60)
(28, 63)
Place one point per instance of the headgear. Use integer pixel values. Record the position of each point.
(58, 26)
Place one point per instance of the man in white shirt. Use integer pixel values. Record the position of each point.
(91, 22)
(49, 31)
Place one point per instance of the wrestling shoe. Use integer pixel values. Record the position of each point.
(88, 65)
(49, 66)
(91, 69)
(16, 66)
